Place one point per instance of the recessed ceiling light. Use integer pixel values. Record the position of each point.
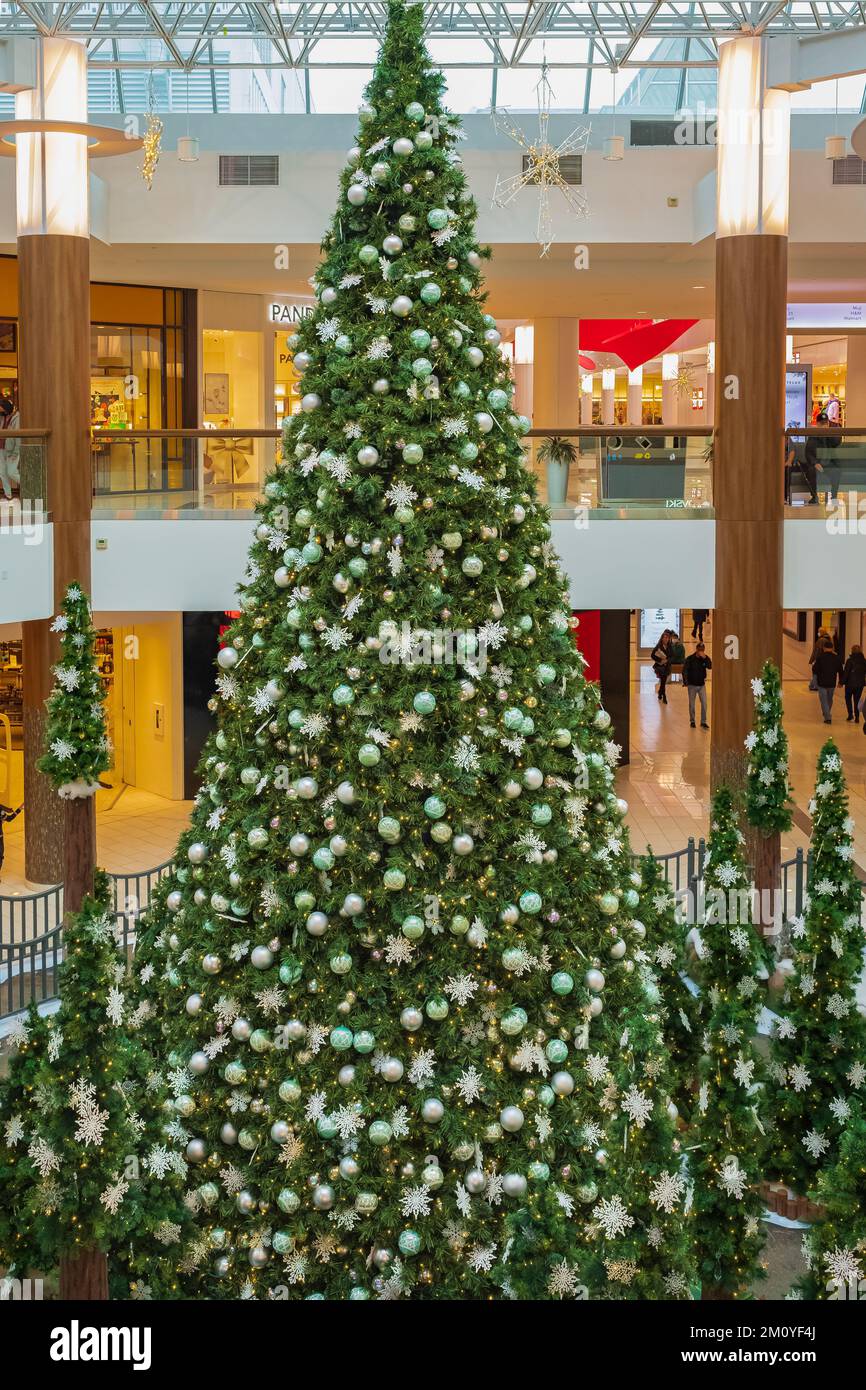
(699, 287)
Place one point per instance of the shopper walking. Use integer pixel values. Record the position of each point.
(695, 680)
(826, 674)
(661, 660)
(854, 680)
(699, 617)
(6, 815)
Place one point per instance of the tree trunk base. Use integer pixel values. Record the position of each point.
(84, 1277)
(711, 1293)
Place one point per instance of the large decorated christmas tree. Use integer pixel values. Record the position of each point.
(395, 968)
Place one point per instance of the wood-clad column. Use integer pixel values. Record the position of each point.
(54, 371)
(751, 275)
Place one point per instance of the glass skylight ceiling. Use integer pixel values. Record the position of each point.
(286, 55)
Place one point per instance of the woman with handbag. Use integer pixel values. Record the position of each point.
(661, 660)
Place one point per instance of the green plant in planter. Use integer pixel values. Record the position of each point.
(557, 454)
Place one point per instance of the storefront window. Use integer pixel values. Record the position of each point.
(126, 381)
(287, 394)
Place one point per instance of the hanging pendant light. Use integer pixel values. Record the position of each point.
(613, 147)
(187, 145)
(834, 145)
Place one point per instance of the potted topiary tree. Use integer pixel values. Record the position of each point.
(557, 454)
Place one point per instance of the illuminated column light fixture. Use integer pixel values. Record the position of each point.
(51, 167)
(608, 379)
(711, 357)
(614, 147)
(670, 366)
(586, 383)
(754, 143)
(789, 347)
(524, 345)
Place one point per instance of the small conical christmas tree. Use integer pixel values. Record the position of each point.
(403, 914)
(768, 798)
(83, 1161)
(768, 791)
(77, 750)
(728, 1140)
(819, 1043)
(666, 952)
(836, 1246)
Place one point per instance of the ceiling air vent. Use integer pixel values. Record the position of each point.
(249, 170)
(570, 168)
(654, 132)
(850, 170)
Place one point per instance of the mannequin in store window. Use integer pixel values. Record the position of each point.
(10, 450)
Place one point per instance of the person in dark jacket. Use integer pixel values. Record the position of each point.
(854, 677)
(827, 673)
(661, 660)
(6, 815)
(695, 671)
(699, 617)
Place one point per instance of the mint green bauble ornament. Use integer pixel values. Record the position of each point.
(436, 1007)
(380, 1132)
(556, 1051)
(546, 674)
(290, 1090)
(341, 1038)
(364, 1041)
(368, 755)
(546, 1095)
(323, 858)
(368, 254)
(497, 398)
(420, 339)
(422, 367)
(288, 1201)
(413, 453)
(541, 813)
(512, 717)
(513, 958)
(514, 1021)
(434, 807)
(539, 1172)
(530, 902)
(459, 925)
(326, 1128)
(412, 927)
(415, 112)
(341, 963)
(409, 1242)
(357, 566)
(562, 982)
(408, 223)
(469, 451)
(312, 553)
(431, 293)
(562, 737)
(441, 832)
(357, 1294)
(394, 880)
(437, 218)
(424, 702)
(389, 829)
(343, 695)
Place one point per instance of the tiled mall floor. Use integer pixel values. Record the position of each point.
(666, 783)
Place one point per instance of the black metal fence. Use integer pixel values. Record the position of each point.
(31, 926)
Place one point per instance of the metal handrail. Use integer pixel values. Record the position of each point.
(28, 966)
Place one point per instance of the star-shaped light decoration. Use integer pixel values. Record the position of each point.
(542, 165)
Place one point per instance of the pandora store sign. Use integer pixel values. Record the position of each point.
(282, 313)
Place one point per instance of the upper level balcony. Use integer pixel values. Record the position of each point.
(145, 482)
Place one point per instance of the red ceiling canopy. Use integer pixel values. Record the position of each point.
(634, 340)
